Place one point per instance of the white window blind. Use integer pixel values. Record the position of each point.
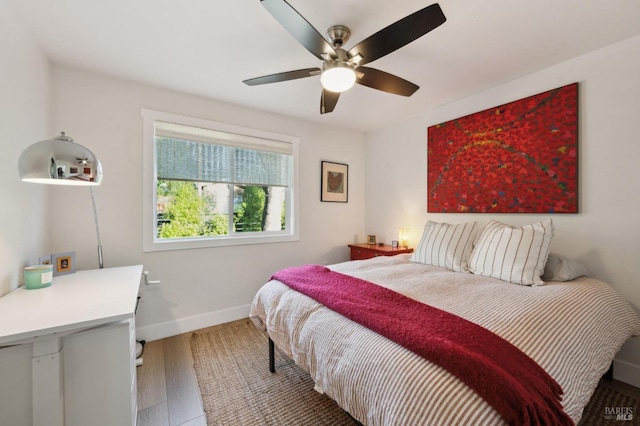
(205, 155)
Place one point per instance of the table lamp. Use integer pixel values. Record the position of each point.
(62, 161)
(403, 236)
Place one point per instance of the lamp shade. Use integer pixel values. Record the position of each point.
(338, 77)
(403, 236)
(60, 161)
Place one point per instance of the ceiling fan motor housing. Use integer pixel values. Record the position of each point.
(338, 35)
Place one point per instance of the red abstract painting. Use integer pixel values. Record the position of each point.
(521, 157)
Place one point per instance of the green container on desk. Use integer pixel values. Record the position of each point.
(38, 276)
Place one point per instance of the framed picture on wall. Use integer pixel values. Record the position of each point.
(334, 179)
(520, 157)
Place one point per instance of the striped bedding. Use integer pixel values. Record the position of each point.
(572, 329)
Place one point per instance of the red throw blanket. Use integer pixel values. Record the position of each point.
(509, 380)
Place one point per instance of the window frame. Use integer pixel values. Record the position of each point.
(150, 242)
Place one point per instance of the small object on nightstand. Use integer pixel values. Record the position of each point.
(371, 240)
(381, 244)
(404, 237)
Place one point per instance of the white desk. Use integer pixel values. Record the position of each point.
(81, 336)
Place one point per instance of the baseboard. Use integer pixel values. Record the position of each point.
(184, 325)
(626, 372)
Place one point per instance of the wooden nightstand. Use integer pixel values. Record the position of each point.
(367, 251)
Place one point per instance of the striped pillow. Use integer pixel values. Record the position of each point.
(513, 254)
(445, 245)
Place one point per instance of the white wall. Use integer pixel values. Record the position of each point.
(204, 286)
(24, 207)
(605, 235)
(24, 118)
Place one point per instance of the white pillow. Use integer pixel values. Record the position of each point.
(514, 254)
(560, 268)
(445, 245)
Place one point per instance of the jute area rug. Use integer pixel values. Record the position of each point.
(231, 364)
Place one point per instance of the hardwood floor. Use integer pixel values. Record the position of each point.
(168, 393)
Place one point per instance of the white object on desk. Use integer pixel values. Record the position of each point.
(82, 336)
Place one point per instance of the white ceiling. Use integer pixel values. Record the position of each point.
(207, 47)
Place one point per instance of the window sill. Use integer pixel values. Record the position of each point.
(197, 243)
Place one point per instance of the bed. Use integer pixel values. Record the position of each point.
(572, 329)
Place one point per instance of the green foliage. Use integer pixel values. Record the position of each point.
(186, 212)
(189, 210)
(217, 225)
(249, 216)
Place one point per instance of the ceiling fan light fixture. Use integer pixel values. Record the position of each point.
(338, 77)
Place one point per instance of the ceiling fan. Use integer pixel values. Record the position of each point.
(341, 68)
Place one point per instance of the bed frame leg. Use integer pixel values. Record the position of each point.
(609, 374)
(272, 362)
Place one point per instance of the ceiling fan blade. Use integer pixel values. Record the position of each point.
(299, 27)
(399, 34)
(386, 82)
(328, 101)
(282, 76)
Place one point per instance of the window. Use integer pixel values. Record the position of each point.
(209, 184)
